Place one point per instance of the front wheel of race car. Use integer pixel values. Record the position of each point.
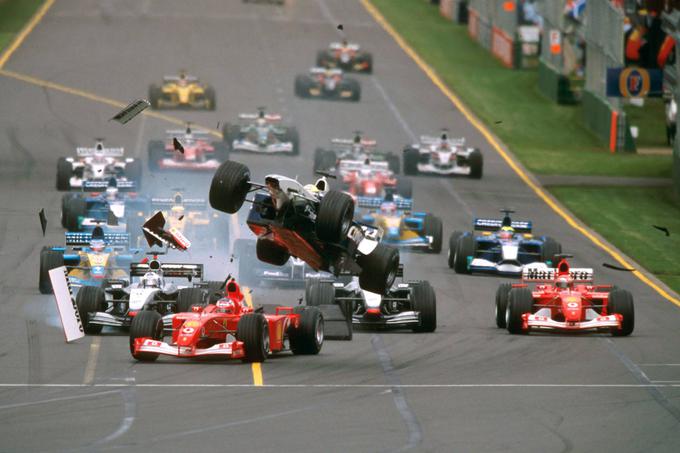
(253, 331)
(336, 211)
(155, 94)
(502, 303)
(302, 86)
(90, 299)
(425, 303)
(319, 293)
(393, 163)
(368, 60)
(476, 162)
(432, 226)
(379, 269)
(49, 259)
(271, 252)
(307, 338)
(453, 242)
(465, 247)
(147, 324)
(293, 136)
(411, 158)
(520, 301)
(229, 187)
(210, 98)
(188, 297)
(550, 250)
(621, 302)
(322, 58)
(356, 90)
(133, 172)
(76, 208)
(64, 172)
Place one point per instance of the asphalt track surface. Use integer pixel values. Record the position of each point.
(466, 387)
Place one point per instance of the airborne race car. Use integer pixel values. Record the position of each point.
(410, 304)
(97, 163)
(308, 222)
(443, 156)
(229, 329)
(564, 299)
(504, 247)
(198, 152)
(327, 84)
(353, 150)
(182, 91)
(261, 133)
(346, 56)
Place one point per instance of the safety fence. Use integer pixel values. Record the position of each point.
(671, 25)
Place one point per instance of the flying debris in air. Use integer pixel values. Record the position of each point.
(662, 228)
(617, 268)
(177, 145)
(340, 27)
(156, 235)
(43, 220)
(498, 122)
(133, 109)
(181, 217)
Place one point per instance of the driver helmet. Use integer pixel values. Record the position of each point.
(111, 192)
(506, 232)
(225, 306)
(562, 283)
(97, 245)
(388, 208)
(151, 280)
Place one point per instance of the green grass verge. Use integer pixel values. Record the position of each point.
(651, 122)
(625, 217)
(13, 15)
(546, 137)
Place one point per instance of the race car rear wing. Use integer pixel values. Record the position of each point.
(180, 134)
(338, 46)
(430, 140)
(100, 185)
(349, 142)
(403, 204)
(107, 152)
(175, 78)
(173, 270)
(115, 240)
(520, 226)
(318, 70)
(532, 274)
(253, 116)
(196, 203)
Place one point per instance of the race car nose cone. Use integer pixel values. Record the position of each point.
(393, 232)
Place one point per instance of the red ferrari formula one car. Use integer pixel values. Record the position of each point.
(369, 178)
(195, 152)
(230, 329)
(566, 300)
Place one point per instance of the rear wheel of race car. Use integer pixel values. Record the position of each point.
(156, 154)
(211, 99)
(188, 297)
(155, 94)
(253, 331)
(432, 226)
(133, 172)
(319, 293)
(368, 59)
(307, 339)
(64, 207)
(393, 163)
(551, 248)
(502, 303)
(465, 247)
(147, 324)
(49, 259)
(411, 158)
(453, 242)
(90, 299)
(476, 162)
(75, 210)
(425, 303)
(621, 302)
(271, 252)
(302, 85)
(64, 173)
(335, 215)
(405, 188)
(379, 269)
(229, 187)
(293, 137)
(356, 89)
(321, 58)
(520, 301)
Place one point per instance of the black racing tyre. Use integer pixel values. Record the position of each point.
(90, 299)
(432, 226)
(156, 154)
(230, 132)
(334, 219)
(64, 207)
(318, 153)
(75, 209)
(520, 301)
(133, 172)
(368, 58)
(404, 187)
(465, 247)
(411, 158)
(302, 85)
(293, 136)
(221, 151)
(64, 173)
(49, 259)
(253, 331)
(379, 269)
(229, 187)
(319, 293)
(502, 294)
(328, 160)
(270, 252)
(155, 94)
(147, 324)
(211, 98)
(393, 163)
(621, 302)
(188, 297)
(551, 248)
(214, 291)
(308, 337)
(322, 58)
(425, 303)
(356, 89)
(476, 162)
(453, 242)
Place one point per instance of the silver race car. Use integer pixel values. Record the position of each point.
(443, 155)
(261, 132)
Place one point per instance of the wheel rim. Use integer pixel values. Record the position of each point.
(318, 334)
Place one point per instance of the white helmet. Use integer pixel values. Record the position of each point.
(151, 280)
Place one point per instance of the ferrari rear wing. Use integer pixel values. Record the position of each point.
(180, 134)
(117, 240)
(108, 152)
(349, 142)
(579, 275)
(520, 226)
(173, 270)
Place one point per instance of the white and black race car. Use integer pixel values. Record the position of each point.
(443, 155)
(261, 132)
(97, 163)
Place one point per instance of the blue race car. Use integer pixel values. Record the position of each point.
(401, 227)
(504, 247)
(90, 258)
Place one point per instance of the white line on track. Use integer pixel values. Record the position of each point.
(56, 400)
(340, 386)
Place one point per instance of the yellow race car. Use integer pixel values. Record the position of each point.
(182, 91)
